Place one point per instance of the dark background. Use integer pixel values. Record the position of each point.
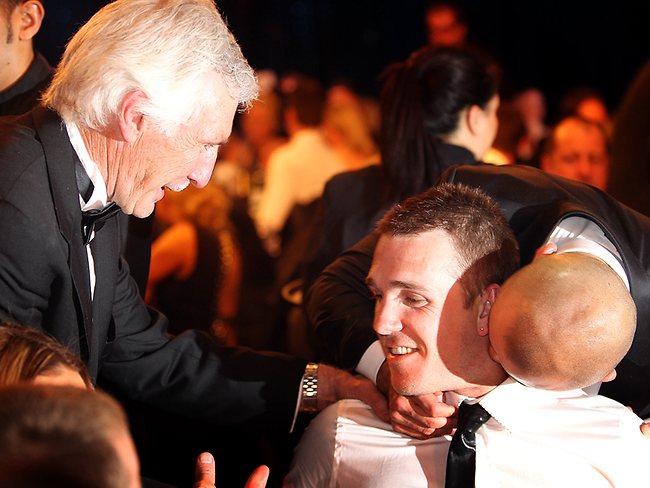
(553, 45)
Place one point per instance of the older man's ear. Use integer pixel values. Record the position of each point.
(130, 117)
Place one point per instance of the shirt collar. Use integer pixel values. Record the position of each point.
(509, 403)
(99, 197)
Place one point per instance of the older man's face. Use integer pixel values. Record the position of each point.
(156, 162)
(580, 154)
(428, 335)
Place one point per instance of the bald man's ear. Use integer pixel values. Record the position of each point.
(130, 118)
(610, 376)
(486, 301)
(31, 18)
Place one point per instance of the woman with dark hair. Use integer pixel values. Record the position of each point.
(438, 109)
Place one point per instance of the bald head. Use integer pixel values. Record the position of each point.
(562, 322)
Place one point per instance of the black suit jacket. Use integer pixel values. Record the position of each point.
(44, 283)
(533, 202)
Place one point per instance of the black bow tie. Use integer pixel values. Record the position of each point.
(93, 220)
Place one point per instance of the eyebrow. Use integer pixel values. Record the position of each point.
(396, 284)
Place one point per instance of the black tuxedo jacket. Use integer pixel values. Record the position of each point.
(533, 202)
(44, 283)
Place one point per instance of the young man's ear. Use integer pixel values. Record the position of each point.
(31, 17)
(130, 117)
(486, 301)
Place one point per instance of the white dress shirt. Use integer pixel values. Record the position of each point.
(99, 197)
(346, 445)
(535, 439)
(542, 438)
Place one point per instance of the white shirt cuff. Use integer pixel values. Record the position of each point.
(371, 361)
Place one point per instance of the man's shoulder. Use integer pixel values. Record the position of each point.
(21, 154)
(354, 188)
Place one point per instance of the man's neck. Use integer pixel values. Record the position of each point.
(479, 390)
(96, 145)
(15, 68)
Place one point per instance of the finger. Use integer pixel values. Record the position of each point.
(422, 426)
(431, 406)
(546, 249)
(415, 434)
(431, 415)
(258, 478)
(645, 429)
(205, 471)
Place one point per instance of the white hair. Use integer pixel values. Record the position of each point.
(166, 48)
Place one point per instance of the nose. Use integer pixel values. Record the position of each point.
(203, 170)
(585, 168)
(386, 319)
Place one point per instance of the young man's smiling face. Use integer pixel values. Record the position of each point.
(428, 334)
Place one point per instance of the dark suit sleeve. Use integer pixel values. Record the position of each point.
(191, 374)
(340, 308)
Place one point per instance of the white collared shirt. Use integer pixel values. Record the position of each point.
(535, 439)
(543, 438)
(99, 198)
(348, 446)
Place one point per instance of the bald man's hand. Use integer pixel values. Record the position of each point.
(546, 250)
(421, 417)
(645, 429)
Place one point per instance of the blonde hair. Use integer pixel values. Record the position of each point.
(26, 353)
(350, 123)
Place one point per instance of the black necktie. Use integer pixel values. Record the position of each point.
(461, 460)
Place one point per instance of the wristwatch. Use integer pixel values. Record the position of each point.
(310, 388)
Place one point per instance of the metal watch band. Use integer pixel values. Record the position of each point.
(310, 388)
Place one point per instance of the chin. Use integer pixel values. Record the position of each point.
(143, 211)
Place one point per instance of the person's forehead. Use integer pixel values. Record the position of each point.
(214, 122)
(418, 257)
(579, 134)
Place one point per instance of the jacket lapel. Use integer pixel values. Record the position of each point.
(60, 163)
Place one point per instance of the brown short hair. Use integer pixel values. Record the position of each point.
(60, 436)
(487, 249)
